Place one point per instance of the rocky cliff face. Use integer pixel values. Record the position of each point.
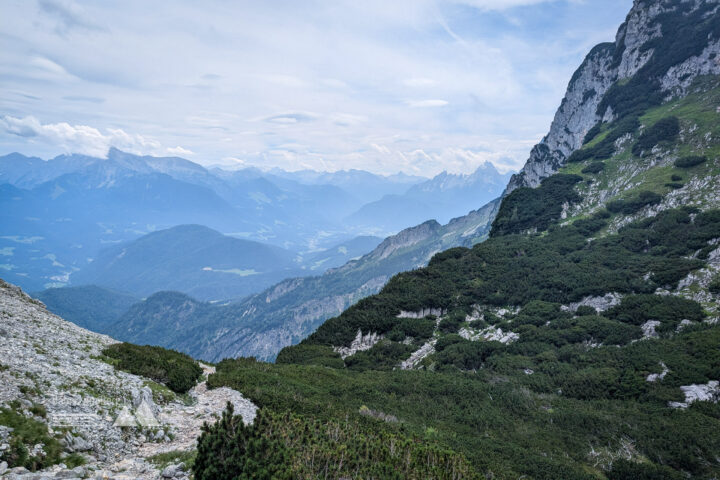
(609, 64)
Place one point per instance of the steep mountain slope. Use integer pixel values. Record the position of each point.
(69, 411)
(340, 254)
(192, 259)
(442, 198)
(581, 339)
(287, 312)
(658, 52)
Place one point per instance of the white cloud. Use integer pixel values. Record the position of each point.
(381, 148)
(426, 103)
(78, 138)
(179, 151)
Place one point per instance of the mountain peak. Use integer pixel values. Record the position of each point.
(660, 49)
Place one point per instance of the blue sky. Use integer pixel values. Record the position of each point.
(418, 86)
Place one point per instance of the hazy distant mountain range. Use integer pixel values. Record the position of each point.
(261, 324)
(57, 216)
(442, 198)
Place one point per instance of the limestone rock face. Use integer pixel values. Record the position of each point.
(605, 65)
(359, 344)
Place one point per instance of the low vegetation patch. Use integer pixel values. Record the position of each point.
(162, 460)
(635, 203)
(691, 161)
(289, 446)
(605, 148)
(595, 167)
(179, 372)
(664, 130)
(28, 432)
(535, 208)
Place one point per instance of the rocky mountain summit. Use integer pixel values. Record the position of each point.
(111, 424)
(643, 49)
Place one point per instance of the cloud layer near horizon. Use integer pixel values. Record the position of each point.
(418, 86)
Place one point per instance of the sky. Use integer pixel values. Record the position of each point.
(413, 86)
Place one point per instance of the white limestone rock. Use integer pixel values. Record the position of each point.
(359, 344)
(600, 304)
(418, 355)
(648, 329)
(422, 313)
(490, 333)
(709, 392)
(654, 377)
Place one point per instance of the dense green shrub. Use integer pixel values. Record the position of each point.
(588, 226)
(674, 185)
(384, 355)
(714, 285)
(559, 267)
(676, 178)
(584, 310)
(229, 450)
(492, 409)
(606, 147)
(467, 355)
(691, 161)
(635, 203)
(417, 328)
(179, 372)
(447, 340)
(311, 355)
(451, 323)
(535, 208)
(563, 330)
(664, 130)
(627, 470)
(595, 167)
(668, 310)
(287, 446)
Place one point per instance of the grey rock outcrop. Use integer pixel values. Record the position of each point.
(709, 392)
(489, 333)
(600, 304)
